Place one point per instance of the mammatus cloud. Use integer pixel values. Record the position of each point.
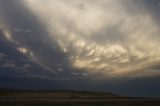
(106, 36)
(109, 37)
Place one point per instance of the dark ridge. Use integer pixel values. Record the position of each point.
(14, 97)
(63, 94)
(59, 91)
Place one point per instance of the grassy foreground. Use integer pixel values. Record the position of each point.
(70, 98)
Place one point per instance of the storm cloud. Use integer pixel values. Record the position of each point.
(116, 38)
(99, 45)
(106, 37)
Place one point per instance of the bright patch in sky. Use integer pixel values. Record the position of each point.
(102, 36)
(112, 37)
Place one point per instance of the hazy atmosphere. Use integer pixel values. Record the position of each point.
(97, 45)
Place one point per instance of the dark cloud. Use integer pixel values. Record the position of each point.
(73, 49)
(28, 32)
(2, 55)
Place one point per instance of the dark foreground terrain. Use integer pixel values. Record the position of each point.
(70, 98)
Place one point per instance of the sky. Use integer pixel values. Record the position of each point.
(97, 45)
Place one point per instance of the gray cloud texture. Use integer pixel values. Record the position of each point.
(112, 37)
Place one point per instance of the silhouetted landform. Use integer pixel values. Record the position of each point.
(70, 98)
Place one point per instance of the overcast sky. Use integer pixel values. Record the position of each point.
(106, 44)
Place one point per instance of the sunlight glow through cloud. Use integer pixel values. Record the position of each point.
(101, 36)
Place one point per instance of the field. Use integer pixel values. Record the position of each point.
(70, 98)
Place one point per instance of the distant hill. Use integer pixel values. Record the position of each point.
(12, 97)
(54, 93)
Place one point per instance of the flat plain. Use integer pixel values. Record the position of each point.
(71, 98)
